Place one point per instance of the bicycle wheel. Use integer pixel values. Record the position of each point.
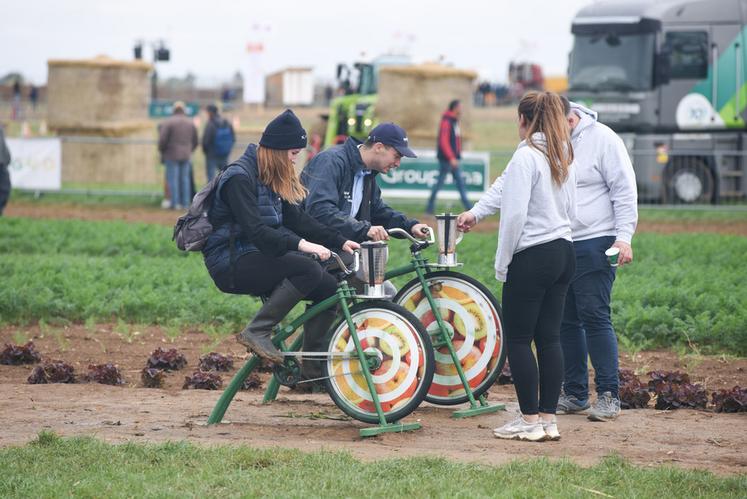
(405, 358)
(473, 315)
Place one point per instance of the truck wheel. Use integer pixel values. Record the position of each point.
(689, 182)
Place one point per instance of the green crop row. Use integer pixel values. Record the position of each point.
(684, 290)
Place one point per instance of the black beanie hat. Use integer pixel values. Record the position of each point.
(284, 132)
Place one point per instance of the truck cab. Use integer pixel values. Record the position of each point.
(669, 77)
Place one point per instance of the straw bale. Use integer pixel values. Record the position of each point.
(130, 158)
(96, 92)
(415, 97)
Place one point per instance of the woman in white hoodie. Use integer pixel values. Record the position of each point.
(535, 259)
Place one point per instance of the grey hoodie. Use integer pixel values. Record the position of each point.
(607, 194)
(606, 190)
(534, 210)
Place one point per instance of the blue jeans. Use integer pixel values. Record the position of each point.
(214, 164)
(586, 330)
(445, 168)
(178, 176)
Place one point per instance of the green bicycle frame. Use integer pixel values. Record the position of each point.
(420, 266)
(343, 295)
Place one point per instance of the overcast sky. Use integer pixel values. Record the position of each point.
(210, 37)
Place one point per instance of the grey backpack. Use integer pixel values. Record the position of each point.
(192, 230)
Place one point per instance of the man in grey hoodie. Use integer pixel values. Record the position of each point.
(606, 216)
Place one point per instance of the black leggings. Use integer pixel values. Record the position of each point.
(533, 301)
(257, 274)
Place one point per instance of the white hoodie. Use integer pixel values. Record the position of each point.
(534, 210)
(607, 195)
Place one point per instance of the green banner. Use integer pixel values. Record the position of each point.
(415, 177)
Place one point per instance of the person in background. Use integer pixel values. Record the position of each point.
(218, 140)
(177, 140)
(535, 259)
(4, 174)
(262, 240)
(34, 96)
(449, 153)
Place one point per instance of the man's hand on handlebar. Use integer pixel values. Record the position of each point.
(420, 231)
(377, 233)
(350, 246)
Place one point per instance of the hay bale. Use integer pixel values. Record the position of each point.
(415, 97)
(96, 92)
(126, 156)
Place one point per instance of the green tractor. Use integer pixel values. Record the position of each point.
(352, 113)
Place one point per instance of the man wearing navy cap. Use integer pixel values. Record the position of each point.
(343, 193)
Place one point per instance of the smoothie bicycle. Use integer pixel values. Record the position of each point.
(461, 316)
(377, 367)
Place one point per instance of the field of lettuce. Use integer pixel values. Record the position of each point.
(685, 291)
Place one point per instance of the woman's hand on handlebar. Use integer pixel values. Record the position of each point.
(315, 249)
(350, 246)
(465, 221)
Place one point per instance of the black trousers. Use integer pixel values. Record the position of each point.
(257, 274)
(533, 300)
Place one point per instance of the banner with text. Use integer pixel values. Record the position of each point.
(36, 164)
(415, 177)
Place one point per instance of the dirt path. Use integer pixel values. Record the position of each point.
(168, 218)
(691, 439)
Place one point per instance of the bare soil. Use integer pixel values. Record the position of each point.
(310, 422)
(168, 218)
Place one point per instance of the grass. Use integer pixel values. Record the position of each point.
(52, 466)
(684, 290)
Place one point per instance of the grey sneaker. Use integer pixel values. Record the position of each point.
(518, 429)
(551, 429)
(568, 404)
(605, 408)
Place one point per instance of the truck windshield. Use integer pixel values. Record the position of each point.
(608, 61)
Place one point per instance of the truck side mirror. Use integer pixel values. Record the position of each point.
(339, 71)
(662, 67)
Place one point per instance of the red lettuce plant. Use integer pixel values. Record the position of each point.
(216, 362)
(106, 374)
(734, 400)
(168, 360)
(152, 377)
(633, 394)
(14, 355)
(55, 371)
(201, 380)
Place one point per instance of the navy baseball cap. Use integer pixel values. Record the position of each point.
(392, 135)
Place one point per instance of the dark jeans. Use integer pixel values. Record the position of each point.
(214, 165)
(178, 176)
(533, 300)
(257, 274)
(445, 169)
(587, 327)
(4, 187)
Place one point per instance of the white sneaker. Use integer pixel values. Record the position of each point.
(551, 429)
(165, 204)
(519, 429)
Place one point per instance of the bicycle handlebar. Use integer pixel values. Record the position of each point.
(402, 232)
(343, 267)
